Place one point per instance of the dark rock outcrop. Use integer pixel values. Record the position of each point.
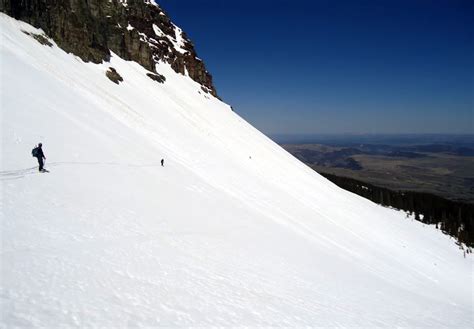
(136, 30)
(113, 75)
(157, 77)
(41, 38)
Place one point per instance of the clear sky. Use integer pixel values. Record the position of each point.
(315, 66)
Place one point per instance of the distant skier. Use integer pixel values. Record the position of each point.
(38, 153)
(162, 162)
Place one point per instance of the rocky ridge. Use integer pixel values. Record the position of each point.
(136, 30)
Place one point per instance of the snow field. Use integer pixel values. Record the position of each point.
(109, 238)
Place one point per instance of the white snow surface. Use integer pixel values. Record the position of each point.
(111, 239)
(158, 31)
(178, 42)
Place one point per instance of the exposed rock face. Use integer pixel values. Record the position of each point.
(40, 38)
(113, 75)
(157, 77)
(136, 30)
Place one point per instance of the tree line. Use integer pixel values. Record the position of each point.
(452, 217)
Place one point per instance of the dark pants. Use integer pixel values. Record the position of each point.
(41, 163)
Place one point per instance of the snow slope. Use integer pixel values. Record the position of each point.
(231, 231)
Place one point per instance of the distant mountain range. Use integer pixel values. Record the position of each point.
(459, 140)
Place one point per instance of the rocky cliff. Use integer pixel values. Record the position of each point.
(137, 30)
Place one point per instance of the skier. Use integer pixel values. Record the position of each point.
(38, 153)
(162, 162)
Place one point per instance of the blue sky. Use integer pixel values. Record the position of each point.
(304, 67)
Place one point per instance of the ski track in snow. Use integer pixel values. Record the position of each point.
(110, 238)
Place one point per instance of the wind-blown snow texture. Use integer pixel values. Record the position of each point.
(232, 231)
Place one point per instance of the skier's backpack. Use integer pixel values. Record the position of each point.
(34, 152)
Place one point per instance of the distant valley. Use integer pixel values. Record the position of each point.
(444, 168)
